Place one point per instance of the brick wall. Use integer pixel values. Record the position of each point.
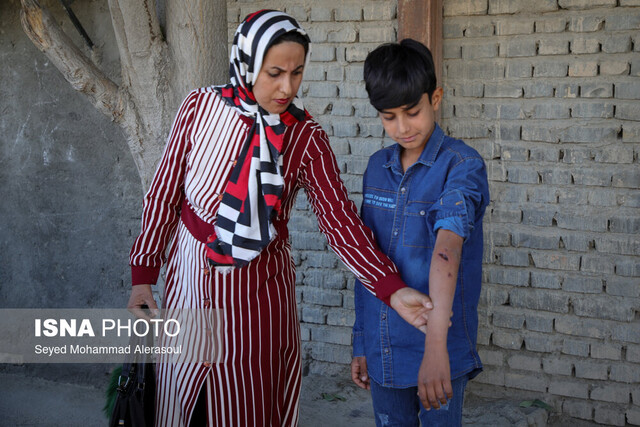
(548, 93)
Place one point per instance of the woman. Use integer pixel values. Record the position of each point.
(236, 157)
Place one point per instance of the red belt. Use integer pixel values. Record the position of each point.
(201, 230)
(198, 228)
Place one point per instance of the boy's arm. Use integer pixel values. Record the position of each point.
(434, 377)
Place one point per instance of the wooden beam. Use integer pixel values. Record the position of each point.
(422, 20)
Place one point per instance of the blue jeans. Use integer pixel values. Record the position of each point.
(401, 407)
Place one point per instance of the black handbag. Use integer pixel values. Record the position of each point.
(135, 401)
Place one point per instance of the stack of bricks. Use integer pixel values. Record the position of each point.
(547, 91)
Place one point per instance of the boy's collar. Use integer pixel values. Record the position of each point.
(429, 153)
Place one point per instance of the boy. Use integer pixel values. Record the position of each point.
(424, 199)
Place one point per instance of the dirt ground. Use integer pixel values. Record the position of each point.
(325, 401)
(353, 408)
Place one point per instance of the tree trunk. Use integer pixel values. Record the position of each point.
(157, 72)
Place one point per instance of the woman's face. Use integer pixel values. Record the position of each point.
(280, 77)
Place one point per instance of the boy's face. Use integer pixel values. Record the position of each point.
(411, 126)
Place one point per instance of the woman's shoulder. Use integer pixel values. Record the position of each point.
(307, 126)
(307, 129)
(207, 100)
(203, 94)
(307, 140)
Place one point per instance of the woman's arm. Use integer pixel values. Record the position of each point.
(349, 238)
(161, 208)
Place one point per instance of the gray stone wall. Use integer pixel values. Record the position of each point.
(548, 92)
(69, 190)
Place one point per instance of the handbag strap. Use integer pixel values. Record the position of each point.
(133, 371)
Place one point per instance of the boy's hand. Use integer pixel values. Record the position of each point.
(359, 373)
(413, 306)
(434, 377)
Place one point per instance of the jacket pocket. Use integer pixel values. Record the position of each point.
(416, 232)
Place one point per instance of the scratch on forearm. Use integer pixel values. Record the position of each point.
(443, 256)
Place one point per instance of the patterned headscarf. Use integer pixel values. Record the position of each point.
(252, 195)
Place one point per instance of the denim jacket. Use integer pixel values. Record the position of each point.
(446, 188)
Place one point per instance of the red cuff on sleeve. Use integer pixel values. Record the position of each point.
(387, 286)
(144, 275)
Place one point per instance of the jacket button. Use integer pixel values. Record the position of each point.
(423, 213)
(206, 363)
(207, 303)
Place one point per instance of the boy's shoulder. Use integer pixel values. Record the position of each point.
(378, 161)
(449, 150)
(458, 148)
(383, 155)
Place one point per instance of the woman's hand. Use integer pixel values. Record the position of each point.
(359, 373)
(413, 306)
(141, 295)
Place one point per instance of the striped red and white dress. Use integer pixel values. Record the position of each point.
(253, 376)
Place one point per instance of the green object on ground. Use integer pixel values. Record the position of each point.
(112, 391)
(536, 403)
(333, 397)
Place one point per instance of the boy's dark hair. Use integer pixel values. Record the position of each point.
(397, 74)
